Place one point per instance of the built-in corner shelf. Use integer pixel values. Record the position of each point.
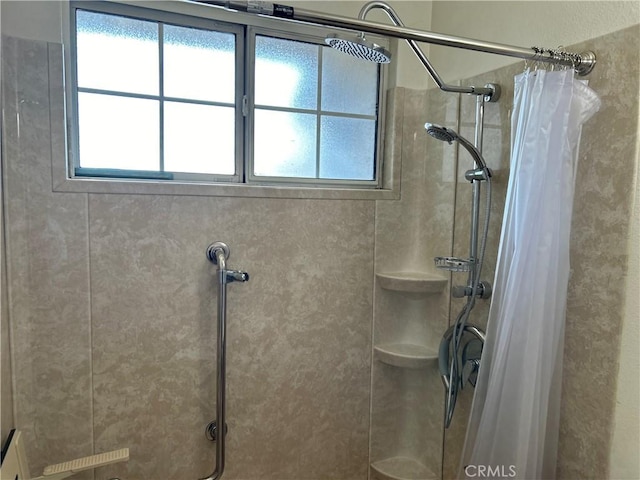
(416, 282)
(405, 355)
(401, 468)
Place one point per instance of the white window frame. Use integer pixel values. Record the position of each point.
(385, 186)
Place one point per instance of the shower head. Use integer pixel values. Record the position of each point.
(440, 133)
(448, 135)
(359, 47)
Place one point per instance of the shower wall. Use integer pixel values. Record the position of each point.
(407, 399)
(112, 301)
(112, 306)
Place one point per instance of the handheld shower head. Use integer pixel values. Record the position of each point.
(359, 47)
(441, 133)
(448, 135)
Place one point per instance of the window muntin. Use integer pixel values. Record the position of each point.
(281, 130)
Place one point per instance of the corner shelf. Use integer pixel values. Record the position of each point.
(416, 282)
(405, 355)
(401, 468)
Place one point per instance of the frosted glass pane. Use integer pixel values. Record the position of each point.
(199, 138)
(349, 85)
(347, 148)
(285, 144)
(286, 73)
(118, 132)
(117, 53)
(199, 64)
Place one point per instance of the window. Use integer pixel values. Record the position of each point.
(165, 96)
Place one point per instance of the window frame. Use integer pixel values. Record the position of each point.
(384, 185)
(252, 32)
(161, 19)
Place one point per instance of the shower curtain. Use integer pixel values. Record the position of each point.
(514, 422)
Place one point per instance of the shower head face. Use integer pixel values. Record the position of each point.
(447, 135)
(359, 47)
(441, 133)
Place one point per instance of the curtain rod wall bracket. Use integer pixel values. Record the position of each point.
(586, 61)
(496, 92)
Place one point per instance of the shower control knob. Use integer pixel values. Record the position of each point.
(236, 276)
(485, 290)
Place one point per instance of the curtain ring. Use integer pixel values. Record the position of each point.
(553, 55)
(564, 57)
(575, 61)
(536, 58)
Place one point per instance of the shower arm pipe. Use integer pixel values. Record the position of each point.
(489, 92)
(582, 63)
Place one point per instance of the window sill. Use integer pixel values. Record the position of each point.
(156, 187)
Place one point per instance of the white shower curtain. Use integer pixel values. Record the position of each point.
(514, 422)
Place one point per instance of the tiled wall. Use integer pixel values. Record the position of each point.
(599, 258)
(112, 302)
(113, 315)
(47, 267)
(407, 403)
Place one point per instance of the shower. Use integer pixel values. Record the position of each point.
(447, 135)
(359, 47)
(461, 345)
(109, 332)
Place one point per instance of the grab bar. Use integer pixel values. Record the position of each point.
(218, 253)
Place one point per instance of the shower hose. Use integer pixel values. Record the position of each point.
(449, 364)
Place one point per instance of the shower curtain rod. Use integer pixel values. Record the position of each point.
(582, 63)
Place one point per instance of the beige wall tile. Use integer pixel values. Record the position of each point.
(298, 334)
(47, 269)
(600, 230)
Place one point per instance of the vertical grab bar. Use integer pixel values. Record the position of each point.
(218, 253)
